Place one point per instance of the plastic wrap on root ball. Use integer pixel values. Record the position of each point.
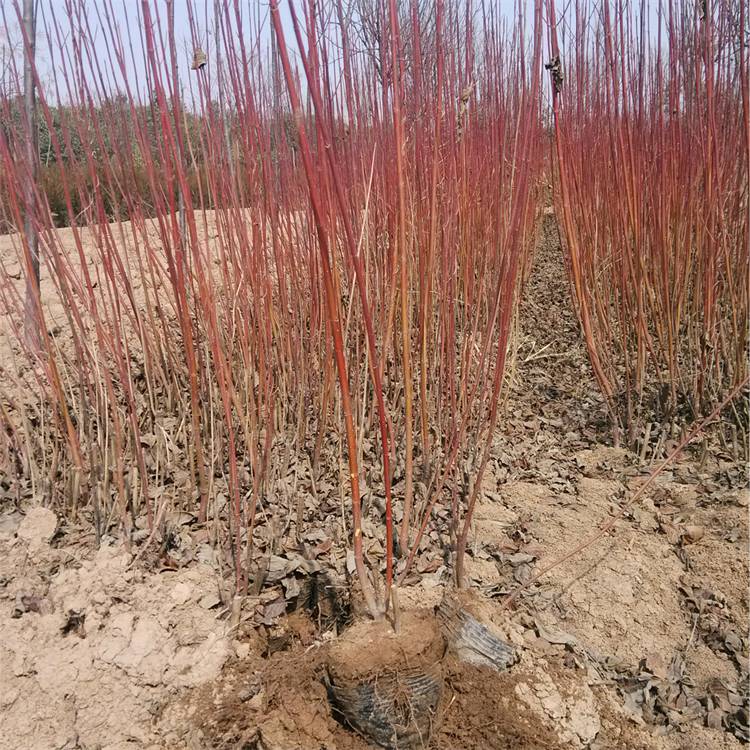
(386, 684)
(473, 642)
(394, 710)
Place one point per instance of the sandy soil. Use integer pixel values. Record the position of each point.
(638, 642)
(135, 241)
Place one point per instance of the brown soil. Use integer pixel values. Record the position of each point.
(483, 711)
(633, 644)
(368, 648)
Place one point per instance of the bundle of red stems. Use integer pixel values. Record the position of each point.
(651, 109)
(300, 258)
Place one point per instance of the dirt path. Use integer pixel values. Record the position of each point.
(640, 642)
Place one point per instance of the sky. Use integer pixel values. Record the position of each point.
(127, 16)
(128, 20)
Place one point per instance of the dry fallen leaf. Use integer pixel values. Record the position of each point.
(555, 637)
(31, 603)
(691, 534)
(273, 610)
(199, 59)
(74, 623)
